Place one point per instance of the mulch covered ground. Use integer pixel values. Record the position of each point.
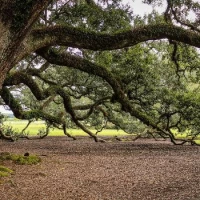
(85, 170)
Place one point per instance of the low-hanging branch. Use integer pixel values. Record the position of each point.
(21, 114)
(65, 59)
(90, 107)
(40, 95)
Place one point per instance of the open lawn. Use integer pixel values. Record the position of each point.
(38, 125)
(34, 128)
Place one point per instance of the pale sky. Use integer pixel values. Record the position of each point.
(140, 9)
(4, 111)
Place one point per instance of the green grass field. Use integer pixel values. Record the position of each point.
(34, 127)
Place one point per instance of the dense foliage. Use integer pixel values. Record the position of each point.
(95, 65)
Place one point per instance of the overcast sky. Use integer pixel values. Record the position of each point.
(138, 7)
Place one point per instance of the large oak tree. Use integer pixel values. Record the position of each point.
(113, 76)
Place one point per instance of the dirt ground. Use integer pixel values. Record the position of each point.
(85, 170)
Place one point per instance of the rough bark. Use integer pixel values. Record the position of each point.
(16, 20)
(76, 37)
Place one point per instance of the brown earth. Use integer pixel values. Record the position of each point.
(85, 170)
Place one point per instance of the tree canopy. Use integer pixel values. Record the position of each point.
(96, 64)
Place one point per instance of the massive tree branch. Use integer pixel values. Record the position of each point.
(66, 59)
(18, 78)
(75, 37)
(21, 114)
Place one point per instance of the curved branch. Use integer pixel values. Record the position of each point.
(66, 133)
(190, 25)
(78, 38)
(69, 109)
(91, 108)
(23, 130)
(21, 114)
(16, 78)
(65, 59)
(5, 137)
(20, 77)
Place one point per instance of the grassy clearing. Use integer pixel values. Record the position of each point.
(34, 128)
(186, 135)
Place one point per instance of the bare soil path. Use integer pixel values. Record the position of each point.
(85, 170)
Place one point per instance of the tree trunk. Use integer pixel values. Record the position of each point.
(4, 43)
(16, 20)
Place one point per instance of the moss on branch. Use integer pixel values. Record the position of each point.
(76, 37)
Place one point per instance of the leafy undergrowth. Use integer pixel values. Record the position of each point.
(4, 171)
(21, 159)
(25, 159)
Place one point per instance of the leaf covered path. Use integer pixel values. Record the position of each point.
(85, 170)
